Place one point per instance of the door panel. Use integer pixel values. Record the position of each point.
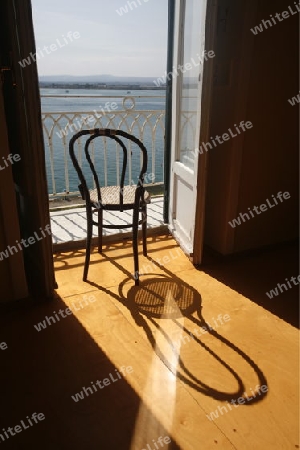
(23, 118)
(12, 270)
(190, 17)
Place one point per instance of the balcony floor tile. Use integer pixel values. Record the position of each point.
(70, 225)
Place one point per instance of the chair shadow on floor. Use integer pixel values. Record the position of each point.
(162, 298)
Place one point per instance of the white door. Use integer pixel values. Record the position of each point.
(189, 56)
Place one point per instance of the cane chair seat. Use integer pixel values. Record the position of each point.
(110, 195)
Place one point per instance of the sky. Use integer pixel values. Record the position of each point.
(131, 44)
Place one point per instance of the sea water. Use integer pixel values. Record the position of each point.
(144, 100)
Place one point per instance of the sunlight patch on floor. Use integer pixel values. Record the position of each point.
(158, 381)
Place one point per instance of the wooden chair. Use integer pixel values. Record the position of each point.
(112, 198)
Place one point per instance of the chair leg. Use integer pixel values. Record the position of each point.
(135, 230)
(144, 229)
(89, 218)
(100, 229)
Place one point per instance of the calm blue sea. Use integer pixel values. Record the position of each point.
(88, 105)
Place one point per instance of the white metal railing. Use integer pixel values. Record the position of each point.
(60, 126)
(148, 125)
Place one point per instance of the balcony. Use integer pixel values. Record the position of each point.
(69, 225)
(129, 113)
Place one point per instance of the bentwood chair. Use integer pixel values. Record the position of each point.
(112, 198)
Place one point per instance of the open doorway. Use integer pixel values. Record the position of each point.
(32, 184)
(105, 70)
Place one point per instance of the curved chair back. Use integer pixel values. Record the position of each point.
(114, 135)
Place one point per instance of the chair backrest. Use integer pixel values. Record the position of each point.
(114, 135)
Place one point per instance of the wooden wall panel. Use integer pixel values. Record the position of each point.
(254, 78)
(270, 154)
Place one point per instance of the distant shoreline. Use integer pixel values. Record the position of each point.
(128, 87)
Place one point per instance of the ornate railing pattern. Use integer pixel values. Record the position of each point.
(147, 125)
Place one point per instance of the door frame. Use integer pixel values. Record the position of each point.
(168, 119)
(24, 124)
(206, 104)
(206, 107)
(14, 283)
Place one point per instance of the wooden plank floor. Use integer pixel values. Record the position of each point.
(180, 373)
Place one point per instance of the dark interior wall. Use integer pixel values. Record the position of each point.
(270, 153)
(254, 78)
(6, 283)
(228, 50)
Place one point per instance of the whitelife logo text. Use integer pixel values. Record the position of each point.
(259, 209)
(9, 160)
(24, 425)
(112, 377)
(47, 50)
(11, 250)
